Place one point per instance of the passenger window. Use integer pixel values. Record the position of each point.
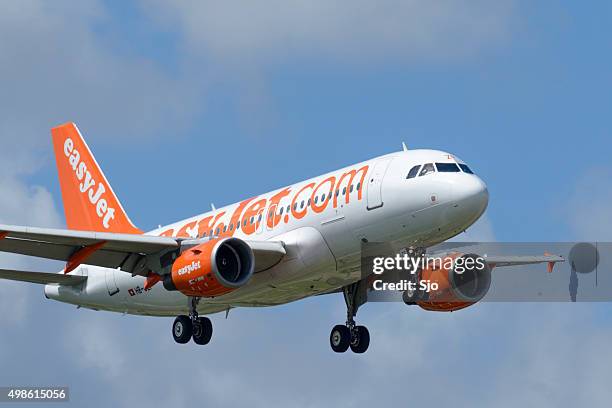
(358, 186)
(316, 199)
(231, 226)
(344, 191)
(413, 171)
(217, 231)
(427, 168)
(447, 167)
(465, 168)
(351, 188)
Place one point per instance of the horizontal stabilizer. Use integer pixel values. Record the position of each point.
(41, 277)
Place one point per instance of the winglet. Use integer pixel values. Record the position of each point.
(90, 203)
(550, 265)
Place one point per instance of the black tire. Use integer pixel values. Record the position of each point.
(182, 329)
(361, 341)
(409, 297)
(412, 297)
(340, 338)
(203, 331)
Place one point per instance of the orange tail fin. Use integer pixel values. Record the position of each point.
(89, 201)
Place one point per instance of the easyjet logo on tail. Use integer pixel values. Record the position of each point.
(93, 189)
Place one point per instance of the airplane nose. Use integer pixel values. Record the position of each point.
(471, 196)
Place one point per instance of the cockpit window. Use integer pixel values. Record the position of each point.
(465, 168)
(447, 167)
(413, 171)
(427, 168)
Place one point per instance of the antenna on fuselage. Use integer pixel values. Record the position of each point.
(213, 207)
(404, 147)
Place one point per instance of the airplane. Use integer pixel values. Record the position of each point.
(295, 242)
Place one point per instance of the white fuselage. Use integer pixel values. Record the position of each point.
(321, 221)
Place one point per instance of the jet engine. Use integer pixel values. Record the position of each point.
(455, 282)
(212, 268)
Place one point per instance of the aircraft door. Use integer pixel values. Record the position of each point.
(375, 199)
(111, 283)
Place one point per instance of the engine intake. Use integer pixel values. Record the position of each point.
(460, 286)
(211, 269)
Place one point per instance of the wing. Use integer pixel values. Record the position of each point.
(111, 250)
(129, 252)
(497, 261)
(509, 260)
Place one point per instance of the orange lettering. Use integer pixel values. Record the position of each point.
(319, 207)
(275, 219)
(254, 211)
(300, 214)
(352, 175)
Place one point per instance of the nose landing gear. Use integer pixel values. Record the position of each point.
(192, 326)
(350, 335)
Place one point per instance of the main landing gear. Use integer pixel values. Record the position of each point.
(411, 297)
(350, 335)
(192, 326)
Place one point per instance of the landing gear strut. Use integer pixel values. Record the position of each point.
(350, 335)
(411, 297)
(192, 326)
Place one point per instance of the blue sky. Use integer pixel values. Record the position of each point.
(187, 103)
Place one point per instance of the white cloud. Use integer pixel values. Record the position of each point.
(21, 204)
(587, 209)
(94, 341)
(13, 300)
(357, 31)
(55, 66)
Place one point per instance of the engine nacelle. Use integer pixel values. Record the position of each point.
(460, 283)
(212, 269)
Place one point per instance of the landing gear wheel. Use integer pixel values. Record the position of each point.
(350, 335)
(410, 297)
(202, 330)
(340, 338)
(360, 339)
(182, 329)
